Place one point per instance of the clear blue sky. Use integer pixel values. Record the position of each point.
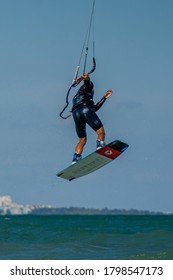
(40, 43)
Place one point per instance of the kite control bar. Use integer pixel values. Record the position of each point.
(77, 81)
(74, 84)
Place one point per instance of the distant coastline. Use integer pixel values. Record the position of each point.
(8, 207)
(92, 211)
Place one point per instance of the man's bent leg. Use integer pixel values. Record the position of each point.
(79, 149)
(101, 134)
(80, 145)
(100, 138)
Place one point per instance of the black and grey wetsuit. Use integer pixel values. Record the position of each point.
(84, 109)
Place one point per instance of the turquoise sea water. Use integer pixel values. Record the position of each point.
(86, 237)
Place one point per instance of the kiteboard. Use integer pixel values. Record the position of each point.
(94, 161)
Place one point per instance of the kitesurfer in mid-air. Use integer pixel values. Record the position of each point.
(84, 112)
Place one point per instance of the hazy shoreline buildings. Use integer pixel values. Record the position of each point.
(8, 207)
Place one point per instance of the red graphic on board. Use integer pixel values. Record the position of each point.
(108, 152)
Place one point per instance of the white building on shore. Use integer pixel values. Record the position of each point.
(8, 207)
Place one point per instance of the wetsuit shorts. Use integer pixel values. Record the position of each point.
(85, 115)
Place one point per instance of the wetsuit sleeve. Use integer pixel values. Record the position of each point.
(100, 103)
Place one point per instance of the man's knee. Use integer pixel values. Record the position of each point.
(82, 141)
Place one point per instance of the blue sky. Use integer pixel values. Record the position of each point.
(40, 44)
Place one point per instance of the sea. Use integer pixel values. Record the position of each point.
(86, 237)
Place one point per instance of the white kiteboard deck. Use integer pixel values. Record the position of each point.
(94, 161)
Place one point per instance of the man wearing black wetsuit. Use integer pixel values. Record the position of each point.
(84, 112)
